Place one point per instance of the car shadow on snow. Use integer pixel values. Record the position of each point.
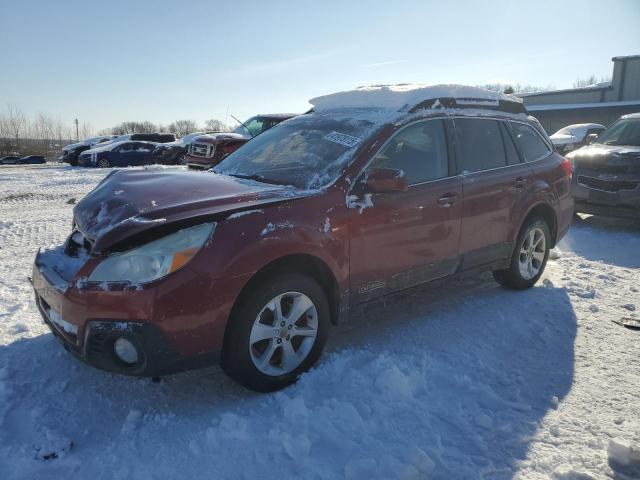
(452, 382)
(497, 363)
(623, 240)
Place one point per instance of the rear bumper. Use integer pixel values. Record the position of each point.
(176, 324)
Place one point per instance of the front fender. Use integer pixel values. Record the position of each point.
(247, 241)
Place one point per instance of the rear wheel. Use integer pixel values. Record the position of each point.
(103, 163)
(278, 333)
(529, 257)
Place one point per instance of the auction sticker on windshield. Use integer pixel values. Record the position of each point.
(343, 139)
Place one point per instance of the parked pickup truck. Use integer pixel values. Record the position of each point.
(209, 150)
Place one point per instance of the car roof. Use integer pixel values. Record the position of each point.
(631, 115)
(413, 97)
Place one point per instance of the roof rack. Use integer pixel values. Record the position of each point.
(470, 102)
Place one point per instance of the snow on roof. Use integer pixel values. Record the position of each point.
(398, 97)
(103, 147)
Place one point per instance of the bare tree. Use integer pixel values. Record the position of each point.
(16, 121)
(215, 125)
(589, 81)
(134, 127)
(85, 130)
(183, 127)
(515, 88)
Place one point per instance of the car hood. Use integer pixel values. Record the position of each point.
(563, 139)
(129, 202)
(596, 150)
(220, 137)
(73, 146)
(607, 159)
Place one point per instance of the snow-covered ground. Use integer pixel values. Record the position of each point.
(467, 381)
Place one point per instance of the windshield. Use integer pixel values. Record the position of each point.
(308, 151)
(623, 132)
(256, 125)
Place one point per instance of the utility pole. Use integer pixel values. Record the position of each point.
(77, 135)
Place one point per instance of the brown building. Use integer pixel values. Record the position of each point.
(601, 103)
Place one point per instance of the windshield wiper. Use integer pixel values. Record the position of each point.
(257, 178)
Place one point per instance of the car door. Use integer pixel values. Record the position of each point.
(123, 155)
(494, 180)
(142, 153)
(402, 239)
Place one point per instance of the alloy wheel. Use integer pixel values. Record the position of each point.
(532, 253)
(283, 333)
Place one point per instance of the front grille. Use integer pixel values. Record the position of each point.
(201, 150)
(626, 165)
(607, 185)
(99, 344)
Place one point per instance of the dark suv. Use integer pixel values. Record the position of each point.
(607, 172)
(71, 153)
(374, 192)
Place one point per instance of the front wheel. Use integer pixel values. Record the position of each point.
(277, 334)
(529, 257)
(103, 163)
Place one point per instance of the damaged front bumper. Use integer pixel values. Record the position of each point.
(89, 319)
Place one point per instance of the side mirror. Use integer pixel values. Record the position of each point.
(386, 180)
(591, 138)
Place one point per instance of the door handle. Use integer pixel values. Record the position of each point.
(520, 183)
(446, 200)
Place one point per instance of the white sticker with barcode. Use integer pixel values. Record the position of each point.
(343, 139)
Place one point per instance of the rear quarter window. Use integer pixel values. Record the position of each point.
(531, 143)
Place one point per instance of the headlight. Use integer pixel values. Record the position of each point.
(155, 259)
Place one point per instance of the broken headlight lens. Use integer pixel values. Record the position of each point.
(155, 259)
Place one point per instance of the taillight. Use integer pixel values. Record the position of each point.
(567, 167)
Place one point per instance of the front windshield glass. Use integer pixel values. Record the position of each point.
(256, 125)
(308, 151)
(623, 132)
(252, 127)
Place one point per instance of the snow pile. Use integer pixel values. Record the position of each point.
(397, 97)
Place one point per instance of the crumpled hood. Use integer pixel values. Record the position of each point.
(215, 138)
(128, 202)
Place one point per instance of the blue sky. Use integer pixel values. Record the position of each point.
(106, 62)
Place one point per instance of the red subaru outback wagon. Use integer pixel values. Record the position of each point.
(374, 191)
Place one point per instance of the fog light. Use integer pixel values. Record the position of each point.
(125, 351)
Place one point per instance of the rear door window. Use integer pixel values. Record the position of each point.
(481, 145)
(531, 143)
(419, 150)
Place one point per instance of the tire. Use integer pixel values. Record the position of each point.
(103, 163)
(527, 261)
(261, 350)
